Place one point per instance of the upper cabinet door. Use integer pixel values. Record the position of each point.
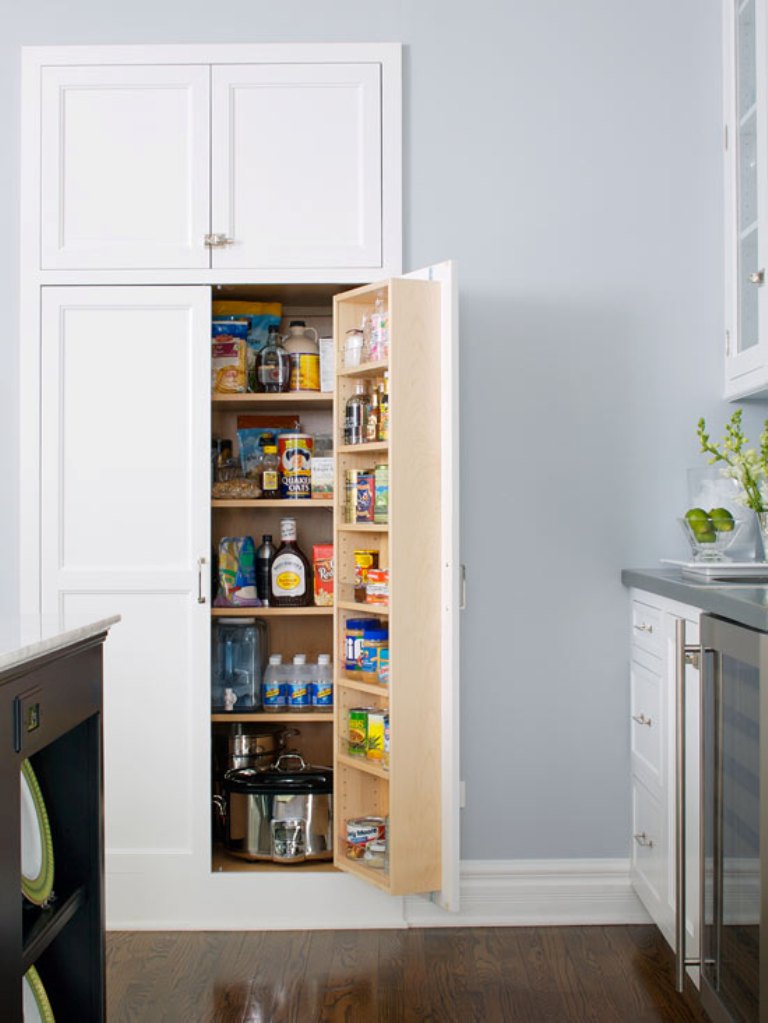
(745, 34)
(296, 165)
(125, 167)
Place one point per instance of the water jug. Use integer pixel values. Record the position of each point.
(237, 663)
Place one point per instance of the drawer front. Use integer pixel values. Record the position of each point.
(649, 853)
(646, 724)
(647, 627)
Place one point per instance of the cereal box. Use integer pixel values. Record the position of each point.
(322, 563)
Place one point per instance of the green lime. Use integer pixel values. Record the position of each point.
(722, 520)
(701, 525)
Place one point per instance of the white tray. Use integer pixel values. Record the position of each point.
(745, 571)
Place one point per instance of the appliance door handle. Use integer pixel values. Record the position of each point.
(684, 655)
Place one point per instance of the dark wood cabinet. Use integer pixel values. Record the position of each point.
(51, 712)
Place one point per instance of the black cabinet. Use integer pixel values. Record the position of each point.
(50, 712)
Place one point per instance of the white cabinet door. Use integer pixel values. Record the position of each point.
(125, 485)
(745, 50)
(125, 167)
(296, 165)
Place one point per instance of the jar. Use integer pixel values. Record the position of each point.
(353, 348)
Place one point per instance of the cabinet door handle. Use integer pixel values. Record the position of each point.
(642, 719)
(217, 241)
(757, 277)
(642, 839)
(200, 597)
(644, 628)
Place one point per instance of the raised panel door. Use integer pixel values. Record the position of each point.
(125, 167)
(125, 481)
(296, 165)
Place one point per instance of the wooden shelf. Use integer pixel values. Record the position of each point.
(366, 369)
(266, 717)
(363, 764)
(264, 402)
(224, 862)
(376, 610)
(370, 447)
(380, 878)
(283, 503)
(371, 688)
(269, 612)
(363, 527)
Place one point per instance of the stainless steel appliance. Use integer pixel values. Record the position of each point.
(284, 813)
(734, 822)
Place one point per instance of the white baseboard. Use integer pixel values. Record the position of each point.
(519, 893)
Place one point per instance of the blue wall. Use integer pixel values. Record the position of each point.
(568, 156)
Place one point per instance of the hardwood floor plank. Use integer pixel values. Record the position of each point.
(431, 975)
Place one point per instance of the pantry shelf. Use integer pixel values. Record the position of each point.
(370, 609)
(371, 688)
(272, 718)
(363, 527)
(268, 402)
(269, 612)
(377, 877)
(364, 765)
(370, 447)
(366, 369)
(283, 503)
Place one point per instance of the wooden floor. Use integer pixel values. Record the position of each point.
(447, 975)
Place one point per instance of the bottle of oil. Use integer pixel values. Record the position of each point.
(291, 574)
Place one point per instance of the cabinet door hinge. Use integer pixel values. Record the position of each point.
(725, 137)
(727, 344)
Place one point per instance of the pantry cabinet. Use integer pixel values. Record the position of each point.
(268, 162)
(653, 743)
(116, 423)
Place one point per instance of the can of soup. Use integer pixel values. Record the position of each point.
(295, 458)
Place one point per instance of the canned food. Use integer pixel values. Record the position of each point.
(366, 497)
(350, 495)
(363, 832)
(357, 732)
(295, 461)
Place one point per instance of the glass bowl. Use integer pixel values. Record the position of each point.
(709, 544)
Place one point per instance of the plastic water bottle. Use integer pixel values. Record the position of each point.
(322, 690)
(297, 685)
(273, 685)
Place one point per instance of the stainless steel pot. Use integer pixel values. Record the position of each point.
(284, 813)
(256, 749)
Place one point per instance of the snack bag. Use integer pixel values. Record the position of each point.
(237, 573)
(228, 375)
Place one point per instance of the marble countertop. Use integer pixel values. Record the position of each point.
(25, 637)
(742, 602)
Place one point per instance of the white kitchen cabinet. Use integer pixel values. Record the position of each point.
(126, 528)
(125, 167)
(653, 745)
(296, 165)
(270, 163)
(745, 83)
(125, 471)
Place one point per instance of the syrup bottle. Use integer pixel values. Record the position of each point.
(291, 575)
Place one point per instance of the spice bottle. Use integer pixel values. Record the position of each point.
(291, 575)
(356, 415)
(270, 474)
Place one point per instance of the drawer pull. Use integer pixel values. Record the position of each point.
(644, 628)
(642, 839)
(642, 719)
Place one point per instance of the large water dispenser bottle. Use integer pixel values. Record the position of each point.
(237, 663)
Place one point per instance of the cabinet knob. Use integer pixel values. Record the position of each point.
(217, 241)
(644, 628)
(642, 719)
(642, 839)
(757, 277)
